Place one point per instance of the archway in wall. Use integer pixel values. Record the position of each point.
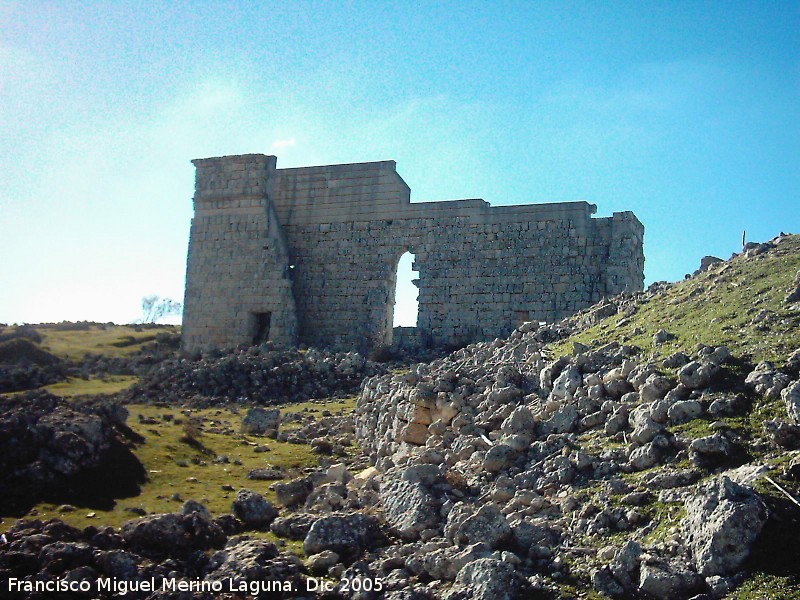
(406, 294)
(403, 306)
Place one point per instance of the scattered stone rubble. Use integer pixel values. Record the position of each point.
(488, 451)
(258, 375)
(47, 443)
(498, 471)
(501, 453)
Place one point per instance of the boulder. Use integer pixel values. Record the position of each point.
(667, 580)
(684, 411)
(566, 383)
(347, 535)
(445, 563)
(489, 579)
(172, 533)
(253, 510)
(783, 434)
(410, 507)
(662, 336)
(293, 527)
(722, 521)
(248, 560)
(320, 563)
(293, 492)
(791, 398)
(710, 451)
(497, 457)
(487, 525)
(697, 375)
(261, 421)
(521, 420)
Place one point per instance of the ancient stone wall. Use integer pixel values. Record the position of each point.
(238, 286)
(482, 269)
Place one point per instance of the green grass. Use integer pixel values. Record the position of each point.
(172, 464)
(75, 386)
(716, 308)
(111, 384)
(111, 340)
(761, 586)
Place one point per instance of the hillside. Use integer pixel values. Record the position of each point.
(80, 358)
(737, 303)
(646, 447)
(641, 446)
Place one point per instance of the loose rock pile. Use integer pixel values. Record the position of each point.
(268, 377)
(497, 472)
(499, 460)
(186, 546)
(47, 443)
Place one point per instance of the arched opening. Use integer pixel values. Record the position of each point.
(406, 296)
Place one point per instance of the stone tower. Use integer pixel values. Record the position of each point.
(309, 255)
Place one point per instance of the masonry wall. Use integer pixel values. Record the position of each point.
(237, 265)
(482, 269)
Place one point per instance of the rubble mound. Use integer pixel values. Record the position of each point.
(50, 449)
(503, 455)
(262, 377)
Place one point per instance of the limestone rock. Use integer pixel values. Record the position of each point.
(521, 420)
(261, 421)
(320, 563)
(710, 451)
(172, 533)
(489, 579)
(293, 492)
(486, 525)
(445, 563)
(722, 521)
(697, 375)
(243, 561)
(791, 397)
(662, 336)
(668, 580)
(294, 526)
(497, 457)
(410, 507)
(783, 434)
(794, 294)
(566, 383)
(253, 510)
(684, 411)
(347, 535)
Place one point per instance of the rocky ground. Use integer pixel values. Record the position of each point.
(644, 448)
(260, 374)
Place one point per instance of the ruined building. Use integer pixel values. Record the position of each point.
(309, 255)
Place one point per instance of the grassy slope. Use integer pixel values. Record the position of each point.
(169, 462)
(107, 340)
(172, 464)
(115, 341)
(111, 384)
(719, 307)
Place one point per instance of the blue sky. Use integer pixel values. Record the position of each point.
(687, 113)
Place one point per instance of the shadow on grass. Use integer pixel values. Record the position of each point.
(119, 476)
(776, 551)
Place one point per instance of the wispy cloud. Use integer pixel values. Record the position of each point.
(278, 144)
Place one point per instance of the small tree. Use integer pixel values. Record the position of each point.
(154, 308)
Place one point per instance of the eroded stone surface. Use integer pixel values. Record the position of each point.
(310, 255)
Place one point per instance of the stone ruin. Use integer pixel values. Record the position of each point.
(309, 256)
